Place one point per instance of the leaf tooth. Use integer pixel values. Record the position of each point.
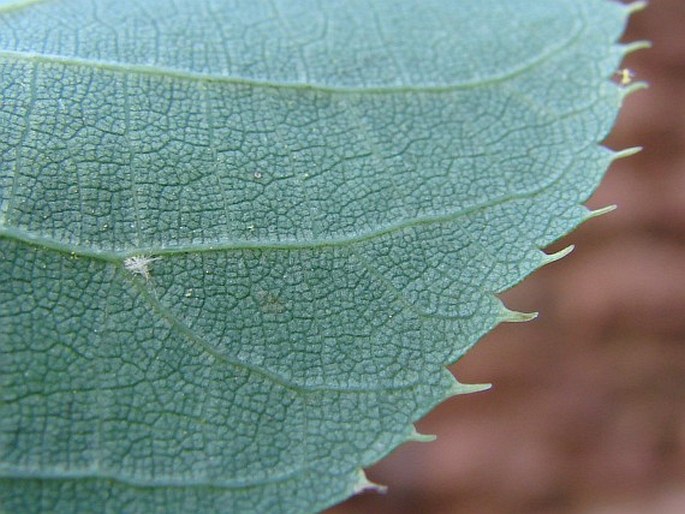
(418, 437)
(634, 46)
(509, 316)
(626, 91)
(636, 6)
(626, 152)
(364, 484)
(458, 388)
(548, 258)
(600, 212)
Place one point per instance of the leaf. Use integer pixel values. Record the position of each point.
(241, 241)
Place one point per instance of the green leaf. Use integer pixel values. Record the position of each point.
(242, 240)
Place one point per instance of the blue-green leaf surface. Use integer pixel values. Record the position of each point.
(241, 240)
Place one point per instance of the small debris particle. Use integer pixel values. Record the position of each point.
(625, 76)
(139, 265)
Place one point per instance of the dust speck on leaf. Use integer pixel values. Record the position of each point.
(625, 76)
(139, 265)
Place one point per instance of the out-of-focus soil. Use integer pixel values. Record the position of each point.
(587, 412)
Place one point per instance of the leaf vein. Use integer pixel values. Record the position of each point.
(170, 72)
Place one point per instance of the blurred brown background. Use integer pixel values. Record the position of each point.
(587, 411)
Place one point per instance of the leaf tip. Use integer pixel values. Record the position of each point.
(364, 484)
(548, 258)
(418, 437)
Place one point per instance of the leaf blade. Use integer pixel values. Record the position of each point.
(318, 247)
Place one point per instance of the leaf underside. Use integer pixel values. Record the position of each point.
(240, 241)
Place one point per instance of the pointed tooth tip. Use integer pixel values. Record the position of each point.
(633, 88)
(418, 437)
(458, 388)
(627, 152)
(634, 46)
(364, 484)
(509, 316)
(642, 44)
(549, 258)
(636, 6)
(601, 212)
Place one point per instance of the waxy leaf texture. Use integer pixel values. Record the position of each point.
(241, 240)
